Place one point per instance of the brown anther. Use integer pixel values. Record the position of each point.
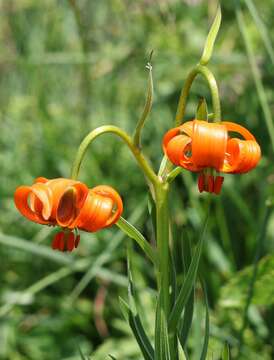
(57, 240)
(218, 184)
(70, 241)
(201, 182)
(210, 183)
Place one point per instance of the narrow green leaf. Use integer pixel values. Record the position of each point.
(112, 357)
(206, 338)
(189, 282)
(134, 319)
(162, 349)
(226, 353)
(81, 353)
(187, 319)
(147, 108)
(125, 309)
(181, 353)
(201, 112)
(134, 234)
(213, 32)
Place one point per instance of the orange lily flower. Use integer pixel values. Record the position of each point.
(199, 145)
(69, 204)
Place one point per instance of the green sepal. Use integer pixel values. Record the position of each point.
(201, 112)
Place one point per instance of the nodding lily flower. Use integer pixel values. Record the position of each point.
(70, 205)
(204, 147)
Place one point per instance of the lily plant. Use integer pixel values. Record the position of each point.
(205, 145)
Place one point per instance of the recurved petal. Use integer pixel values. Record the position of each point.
(34, 202)
(117, 203)
(242, 156)
(187, 128)
(87, 213)
(176, 149)
(102, 215)
(168, 136)
(239, 129)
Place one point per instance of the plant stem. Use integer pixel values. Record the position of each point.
(209, 77)
(162, 233)
(164, 267)
(141, 160)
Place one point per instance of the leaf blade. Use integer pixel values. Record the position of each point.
(211, 37)
(188, 284)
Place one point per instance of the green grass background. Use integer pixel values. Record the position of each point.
(69, 66)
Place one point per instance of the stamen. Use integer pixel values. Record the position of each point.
(210, 183)
(70, 241)
(218, 184)
(58, 240)
(62, 242)
(201, 182)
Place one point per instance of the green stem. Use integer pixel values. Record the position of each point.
(209, 77)
(144, 165)
(164, 265)
(162, 232)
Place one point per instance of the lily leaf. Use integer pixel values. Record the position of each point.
(213, 32)
(206, 338)
(135, 234)
(147, 108)
(162, 348)
(130, 313)
(189, 282)
(181, 353)
(226, 353)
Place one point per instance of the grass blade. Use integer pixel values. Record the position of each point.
(226, 353)
(261, 28)
(256, 73)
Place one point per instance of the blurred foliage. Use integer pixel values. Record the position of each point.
(68, 66)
